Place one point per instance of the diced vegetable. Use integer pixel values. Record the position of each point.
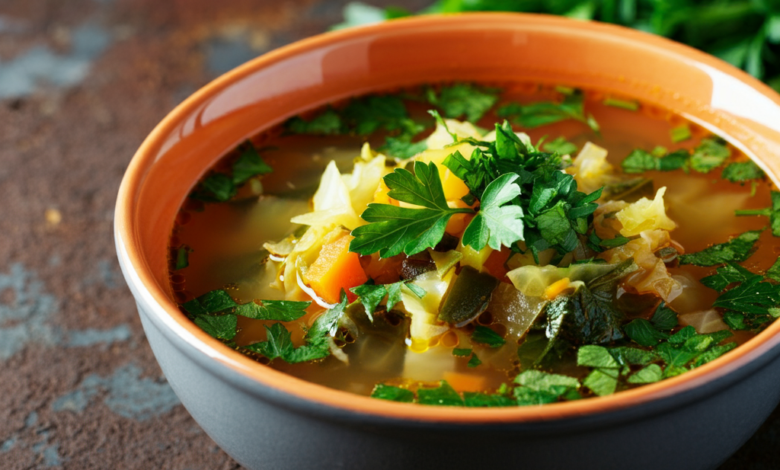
(335, 269)
(469, 297)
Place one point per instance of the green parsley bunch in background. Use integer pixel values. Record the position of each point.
(745, 33)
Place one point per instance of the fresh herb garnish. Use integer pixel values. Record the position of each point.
(219, 301)
(219, 187)
(463, 99)
(249, 164)
(474, 361)
(391, 393)
(543, 113)
(772, 212)
(371, 295)
(639, 161)
(221, 327)
(443, 395)
(737, 249)
(559, 145)
(462, 352)
(680, 133)
(630, 105)
(485, 335)
(326, 123)
(392, 229)
(182, 257)
(538, 388)
(742, 171)
(497, 223)
(402, 147)
(711, 153)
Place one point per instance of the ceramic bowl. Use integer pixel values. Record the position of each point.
(266, 419)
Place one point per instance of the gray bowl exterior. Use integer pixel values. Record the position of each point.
(264, 428)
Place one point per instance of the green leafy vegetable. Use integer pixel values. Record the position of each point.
(559, 145)
(497, 224)
(538, 388)
(485, 335)
(643, 332)
(543, 113)
(461, 352)
(475, 399)
(742, 171)
(392, 229)
(249, 164)
(370, 295)
(639, 161)
(727, 275)
(602, 381)
(327, 123)
(280, 310)
(474, 361)
(772, 212)
(221, 327)
(737, 249)
(391, 393)
(664, 318)
(630, 105)
(596, 356)
(327, 322)
(463, 99)
(650, 374)
(711, 153)
(402, 147)
(216, 187)
(182, 257)
(443, 395)
(680, 133)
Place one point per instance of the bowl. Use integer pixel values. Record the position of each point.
(267, 419)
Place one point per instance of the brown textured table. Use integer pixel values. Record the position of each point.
(81, 84)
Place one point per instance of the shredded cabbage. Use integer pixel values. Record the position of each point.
(645, 214)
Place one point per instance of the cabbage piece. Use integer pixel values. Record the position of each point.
(305, 253)
(645, 214)
(424, 312)
(590, 168)
(606, 225)
(364, 181)
(652, 276)
(706, 321)
(440, 138)
(533, 280)
(332, 203)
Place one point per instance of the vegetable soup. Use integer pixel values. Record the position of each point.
(469, 245)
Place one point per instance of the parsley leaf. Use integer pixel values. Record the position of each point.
(485, 335)
(280, 310)
(742, 171)
(664, 318)
(211, 302)
(221, 327)
(370, 295)
(392, 229)
(461, 352)
(494, 225)
(182, 257)
(727, 275)
(543, 113)
(249, 164)
(538, 388)
(559, 145)
(772, 212)
(216, 187)
(737, 249)
(391, 393)
(476, 399)
(402, 147)
(752, 297)
(650, 374)
(464, 99)
(602, 381)
(474, 361)
(278, 345)
(443, 395)
(327, 322)
(773, 272)
(639, 161)
(711, 153)
(327, 123)
(642, 332)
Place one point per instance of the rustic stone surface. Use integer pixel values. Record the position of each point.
(81, 84)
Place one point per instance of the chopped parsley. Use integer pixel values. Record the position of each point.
(711, 153)
(463, 99)
(485, 335)
(182, 257)
(219, 187)
(391, 393)
(741, 172)
(737, 249)
(393, 230)
(680, 133)
(639, 161)
(543, 113)
(630, 105)
(772, 212)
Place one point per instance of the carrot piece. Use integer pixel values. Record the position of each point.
(465, 382)
(553, 290)
(334, 269)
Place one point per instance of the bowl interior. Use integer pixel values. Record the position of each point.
(480, 48)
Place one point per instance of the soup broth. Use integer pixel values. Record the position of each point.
(503, 325)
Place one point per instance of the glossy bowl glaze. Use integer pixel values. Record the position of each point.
(267, 419)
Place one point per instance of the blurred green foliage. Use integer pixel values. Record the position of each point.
(745, 33)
